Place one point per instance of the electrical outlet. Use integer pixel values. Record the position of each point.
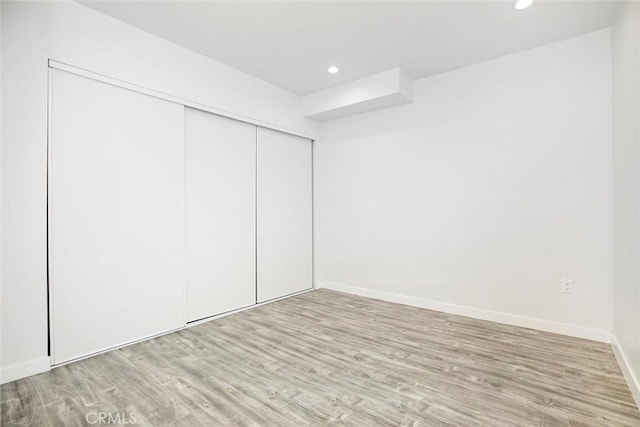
(567, 286)
(340, 259)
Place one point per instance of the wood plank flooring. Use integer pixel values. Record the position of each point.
(330, 358)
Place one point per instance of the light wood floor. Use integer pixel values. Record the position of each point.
(326, 357)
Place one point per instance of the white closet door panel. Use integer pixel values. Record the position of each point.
(116, 216)
(220, 198)
(284, 214)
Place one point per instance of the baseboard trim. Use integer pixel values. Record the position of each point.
(475, 313)
(24, 369)
(625, 367)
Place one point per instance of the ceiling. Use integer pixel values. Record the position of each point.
(291, 44)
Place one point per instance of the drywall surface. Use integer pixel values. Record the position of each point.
(626, 194)
(487, 191)
(32, 33)
(381, 90)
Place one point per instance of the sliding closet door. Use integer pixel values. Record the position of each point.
(284, 214)
(221, 214)
(116, 216)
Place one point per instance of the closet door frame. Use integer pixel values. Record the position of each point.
(53, 64)
(57, 65)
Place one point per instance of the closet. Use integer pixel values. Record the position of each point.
(160, 214)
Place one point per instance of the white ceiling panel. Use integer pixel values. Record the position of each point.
(291, 44)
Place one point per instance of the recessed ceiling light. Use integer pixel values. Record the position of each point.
(522, 4)
(333, 69)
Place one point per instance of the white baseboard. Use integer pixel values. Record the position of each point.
(625, 367)
(600, 335)
(24, 369)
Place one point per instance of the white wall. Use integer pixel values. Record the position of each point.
(626, 201)
(490, 188)
(32, 32)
